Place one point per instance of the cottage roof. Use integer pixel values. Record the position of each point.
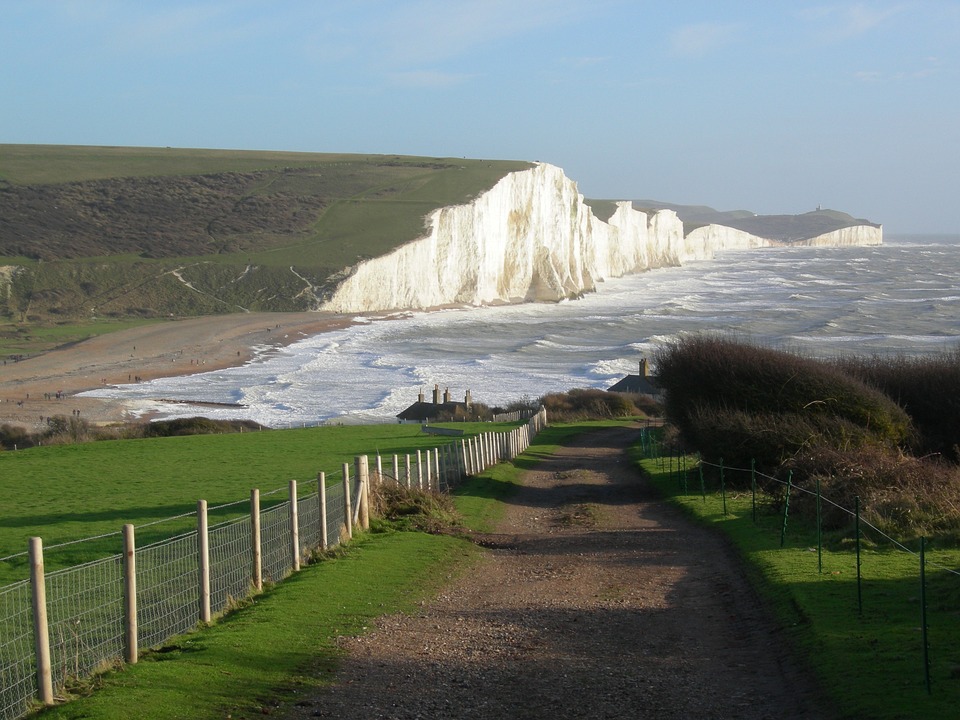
(427, 410)
(644, 385)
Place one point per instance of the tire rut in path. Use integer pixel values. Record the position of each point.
(595, 600)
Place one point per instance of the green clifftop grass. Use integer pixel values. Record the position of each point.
(92, 233)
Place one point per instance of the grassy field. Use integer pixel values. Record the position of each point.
(870, 661)
(23, 339)
(68, 492)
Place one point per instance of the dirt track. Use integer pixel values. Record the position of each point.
(596, 600)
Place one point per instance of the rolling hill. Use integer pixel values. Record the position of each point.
(89, 232)
(781, 228)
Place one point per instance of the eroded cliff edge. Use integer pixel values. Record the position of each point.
(532, 237)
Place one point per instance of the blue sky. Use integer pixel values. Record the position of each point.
(773, 106)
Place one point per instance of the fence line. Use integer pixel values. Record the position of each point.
(69, 623)
(851, 513)
(651, 449)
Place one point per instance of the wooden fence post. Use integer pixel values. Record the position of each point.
(347, 509)
(256, 552)
(406, 475)
(203, 559)
(131, 647)
(40, 630)
(361, 463)
(436, 462)
(322, 499)
(294, 528)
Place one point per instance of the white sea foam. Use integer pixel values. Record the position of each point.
(823, 301)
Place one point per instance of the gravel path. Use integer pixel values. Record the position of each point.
(595, 600)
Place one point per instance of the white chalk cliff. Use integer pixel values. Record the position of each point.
(531, 237)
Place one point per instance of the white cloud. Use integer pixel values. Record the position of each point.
(693, 41)
(848, 20)
(430, 31)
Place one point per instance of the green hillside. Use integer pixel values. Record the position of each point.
(93, 233)
(781, 228)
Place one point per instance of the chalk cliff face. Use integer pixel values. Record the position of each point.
(532, 237)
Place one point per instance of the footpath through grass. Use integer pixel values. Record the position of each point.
(283, 643)
(871, 661)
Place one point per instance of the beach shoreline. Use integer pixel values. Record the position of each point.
(39, 387)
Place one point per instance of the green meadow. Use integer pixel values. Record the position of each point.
(93, 233)
(63, 493)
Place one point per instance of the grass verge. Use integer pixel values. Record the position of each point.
(870, 661)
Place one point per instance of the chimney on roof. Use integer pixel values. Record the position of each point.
(420, 396)
(446, 395)
(643, 367)
(436, 394)
(466, 400)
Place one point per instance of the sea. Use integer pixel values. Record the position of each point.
(902, 297)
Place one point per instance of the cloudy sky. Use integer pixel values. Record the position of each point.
(775, 106)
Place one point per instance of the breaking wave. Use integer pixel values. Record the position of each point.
(822, 301)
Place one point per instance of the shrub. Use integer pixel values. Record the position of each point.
(588, 404)
(899, 494)
(195, 426)
(396, 507)
(928, 389)
(740, 401)
(14, 436)
(64, 430)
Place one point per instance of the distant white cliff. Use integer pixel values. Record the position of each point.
(532, 237)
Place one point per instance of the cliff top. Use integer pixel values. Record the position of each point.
(782, 228)
(271, 208)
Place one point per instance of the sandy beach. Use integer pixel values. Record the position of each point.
(36, 388)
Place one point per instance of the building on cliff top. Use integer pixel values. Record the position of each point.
(422, 411)
(642, 384)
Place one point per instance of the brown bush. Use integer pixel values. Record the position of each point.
(588, 404)
(899, 494)
(740, 401)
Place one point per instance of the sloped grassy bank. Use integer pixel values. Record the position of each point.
(861, 638)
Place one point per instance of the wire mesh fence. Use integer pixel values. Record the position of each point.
(275, 541)
(87, 617)
(231, 562)
(167, 582)
(18, 665)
